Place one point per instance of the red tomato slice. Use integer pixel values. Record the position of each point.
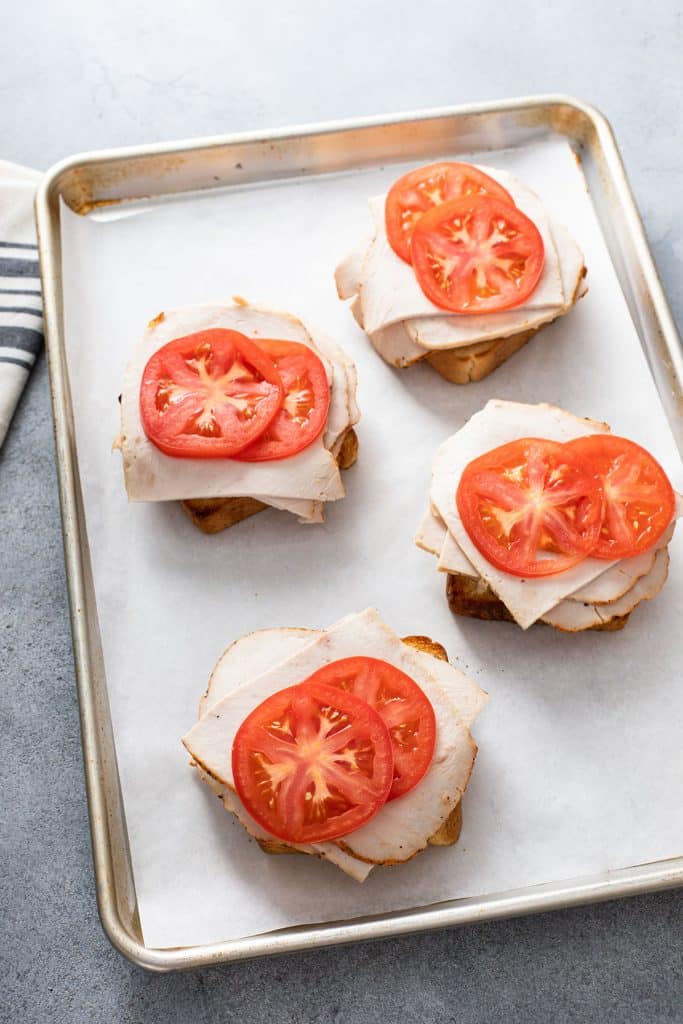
(312, 763)
(303, 415)
(208, 395)
(419, 190)
(477, 255)
(401, 705)
(639, 500)
(531, 507)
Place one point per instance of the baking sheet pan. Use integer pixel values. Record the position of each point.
(94, 180)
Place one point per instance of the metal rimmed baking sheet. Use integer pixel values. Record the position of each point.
(159, 172)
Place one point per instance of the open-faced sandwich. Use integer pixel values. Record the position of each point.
(537, 515)
(464, 266)
(346, 743)
(232, 409)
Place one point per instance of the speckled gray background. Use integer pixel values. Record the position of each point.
(76, 77)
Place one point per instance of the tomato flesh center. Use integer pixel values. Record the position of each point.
(639, 499)
(200, 390)
(313, 768)
(312, 764)
(530, 510)
(477, 254)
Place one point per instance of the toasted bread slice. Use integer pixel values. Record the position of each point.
(211, 515)
(449, 832)
(348, 450)
(473, 597)
(474, 362)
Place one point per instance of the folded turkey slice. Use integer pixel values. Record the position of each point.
(574, 616)
(526, 599)
(431, 533)
(402, 827)
(310, 476)
(395, 345)
(352, 866)
(615, 582)
(348, 274)
(255, 653)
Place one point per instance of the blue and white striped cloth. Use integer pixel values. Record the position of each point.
(21, 306)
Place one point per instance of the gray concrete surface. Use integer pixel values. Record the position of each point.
(76, 76)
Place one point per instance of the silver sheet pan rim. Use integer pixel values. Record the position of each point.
(581, 123)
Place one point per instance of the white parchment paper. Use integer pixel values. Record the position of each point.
(580, 766)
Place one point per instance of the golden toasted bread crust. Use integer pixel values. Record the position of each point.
(474, 362)
(427, 646)
(274, 846)
(449, 833)
(211, 515)
(615, 624)
(472, 596)
(348, 452)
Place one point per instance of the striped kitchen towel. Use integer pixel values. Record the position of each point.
(21, 307)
